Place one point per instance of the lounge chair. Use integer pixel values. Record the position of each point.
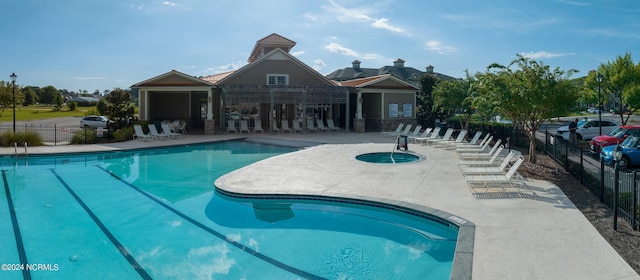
(433, 135)
(474, 148)
(244, 126)
(500, 169)
(231, 126)
(405, 131)
(285, 126)
(480, 155)
(424, 134)
(511, 178)
(473, 141)
(321, 126)
(487, 138)
(416, 131)
(166, 130)
(331, 125)
(458, 139)
(398, 130)
(181, 127)
(483, 162)
(140, 135)
(154, 132)
(445, 137)
(257, 126)
(310, 126)
(274, 126)
(296, 126)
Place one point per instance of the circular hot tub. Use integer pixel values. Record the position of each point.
(387, 157)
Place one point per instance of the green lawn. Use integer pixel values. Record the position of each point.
(35, 112)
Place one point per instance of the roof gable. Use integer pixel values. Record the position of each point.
(276, 54)
(173, 78)
(268, 43)
(381, 81)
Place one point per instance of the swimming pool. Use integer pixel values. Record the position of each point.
(155, 214)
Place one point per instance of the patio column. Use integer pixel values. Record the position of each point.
(209, 104)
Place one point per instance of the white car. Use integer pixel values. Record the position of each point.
(93, 121)
(588, 129)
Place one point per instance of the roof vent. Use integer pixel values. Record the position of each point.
(398, 63)
(430, 69)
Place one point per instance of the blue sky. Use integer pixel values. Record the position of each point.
(103, 44)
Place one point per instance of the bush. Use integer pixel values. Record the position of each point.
(123, 134)
(72, 106)
(84, 136)
(7, 139)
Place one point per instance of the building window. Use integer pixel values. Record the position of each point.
(278, 79)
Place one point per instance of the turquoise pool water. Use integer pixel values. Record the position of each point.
(154, 214)
(387, 157)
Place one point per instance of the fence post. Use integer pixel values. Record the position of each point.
(634, 200)
(55, 134)
(581, 166)
(601, 179)
(616, 189)
(566, 156)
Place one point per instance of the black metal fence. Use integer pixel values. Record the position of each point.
(599, 178)
(56, 134)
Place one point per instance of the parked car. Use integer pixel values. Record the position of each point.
(94, 121)
(594, 110)
(630, 152)
(614, 137)
(588, 129)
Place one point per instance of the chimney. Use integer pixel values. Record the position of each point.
(430, 69)
(398, 63)
(356, 64)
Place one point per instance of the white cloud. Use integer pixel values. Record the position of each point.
(318, 64)
(337, 48)
(298, 53)
(440, 48)
(543, 54)
(225, 68)
(383, 23)
(167, 3)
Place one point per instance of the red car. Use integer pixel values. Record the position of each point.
(614, 137)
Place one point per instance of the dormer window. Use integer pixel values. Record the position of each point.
(278, 79)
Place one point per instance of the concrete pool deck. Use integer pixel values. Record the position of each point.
(538, 234)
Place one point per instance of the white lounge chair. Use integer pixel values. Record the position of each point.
(274, 126)
(416, 131)
(474, 148)
(285, 126)
(511, 178)
(140, 135)
(405, 131)
(257, 126)
(424, 134)
(310, 126)
(166, 130)
(500, 169)
(181, 127)
(154, 132)
(321, 126)
(331, 125)
(244, 126)
(390, 133)
(445, 137)
(296, 126)
(473, 141)
(480, 155)
(458, 139)
(231, 126)
(434, 135)
(483, 162)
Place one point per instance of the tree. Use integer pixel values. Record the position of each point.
(426, 111)
(528, 95)
(454, 96)
(119, 109)
(30, 97)
(6, 96)
(621, 82)
(47, 95)
(58, 101)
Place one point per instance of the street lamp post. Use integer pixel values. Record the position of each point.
(599, 80)
(13, 83)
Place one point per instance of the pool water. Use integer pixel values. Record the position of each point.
(387, 157)
(154, 214)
